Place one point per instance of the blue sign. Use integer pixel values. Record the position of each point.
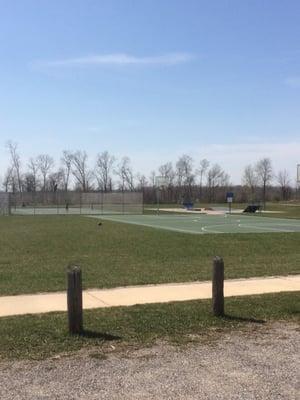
(229, 195)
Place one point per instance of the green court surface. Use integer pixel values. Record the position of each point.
(203, 224)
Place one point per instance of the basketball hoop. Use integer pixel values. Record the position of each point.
(160, 181)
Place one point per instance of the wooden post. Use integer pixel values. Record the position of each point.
(74, 300)
(218, 287)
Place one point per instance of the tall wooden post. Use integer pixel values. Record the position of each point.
(218, 287)
(74, 295)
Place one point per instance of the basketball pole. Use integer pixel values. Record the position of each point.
(298, 182)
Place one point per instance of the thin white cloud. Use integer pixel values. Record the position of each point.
(118, 59)
(293, 82)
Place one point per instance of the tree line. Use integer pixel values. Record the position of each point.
(183, 180)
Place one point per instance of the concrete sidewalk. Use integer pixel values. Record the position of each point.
(130, 295)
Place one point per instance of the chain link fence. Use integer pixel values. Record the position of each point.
(46, 203)
(4, 203)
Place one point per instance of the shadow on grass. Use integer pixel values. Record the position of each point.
(243, 319)
(99, 335)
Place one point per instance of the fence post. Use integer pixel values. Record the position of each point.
(218, 287)
(74, 297)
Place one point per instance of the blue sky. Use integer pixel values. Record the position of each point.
(152, 80)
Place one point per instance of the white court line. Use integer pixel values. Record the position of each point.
(208, 230)
(266, 229)
(287, 224)
(292, 220)
(168, 228)
(241, 225)
(204, 229)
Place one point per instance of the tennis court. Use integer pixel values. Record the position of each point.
(204, 224)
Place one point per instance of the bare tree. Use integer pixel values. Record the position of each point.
(8, 180)
(152, 178)
(264, 173)
(66, 161)
(29, 183)
(249, 180)
(45, 164)
(125, 173)
(149, 195)
(166, 170)
(103, 170)
(283, 179)
(142, 181)
(185, 176)
(201, 171)
(33, 167)
(56, 180)
(15, 162)
(81, 170)
(216, 177)
(225, 180)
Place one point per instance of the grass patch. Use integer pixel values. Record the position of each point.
(37, 337)
(284, 210)
(35, 251)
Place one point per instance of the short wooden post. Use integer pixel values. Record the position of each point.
(218, 287)
(74, 295)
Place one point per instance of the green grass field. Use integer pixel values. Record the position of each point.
(35, 251)
(41, 336)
